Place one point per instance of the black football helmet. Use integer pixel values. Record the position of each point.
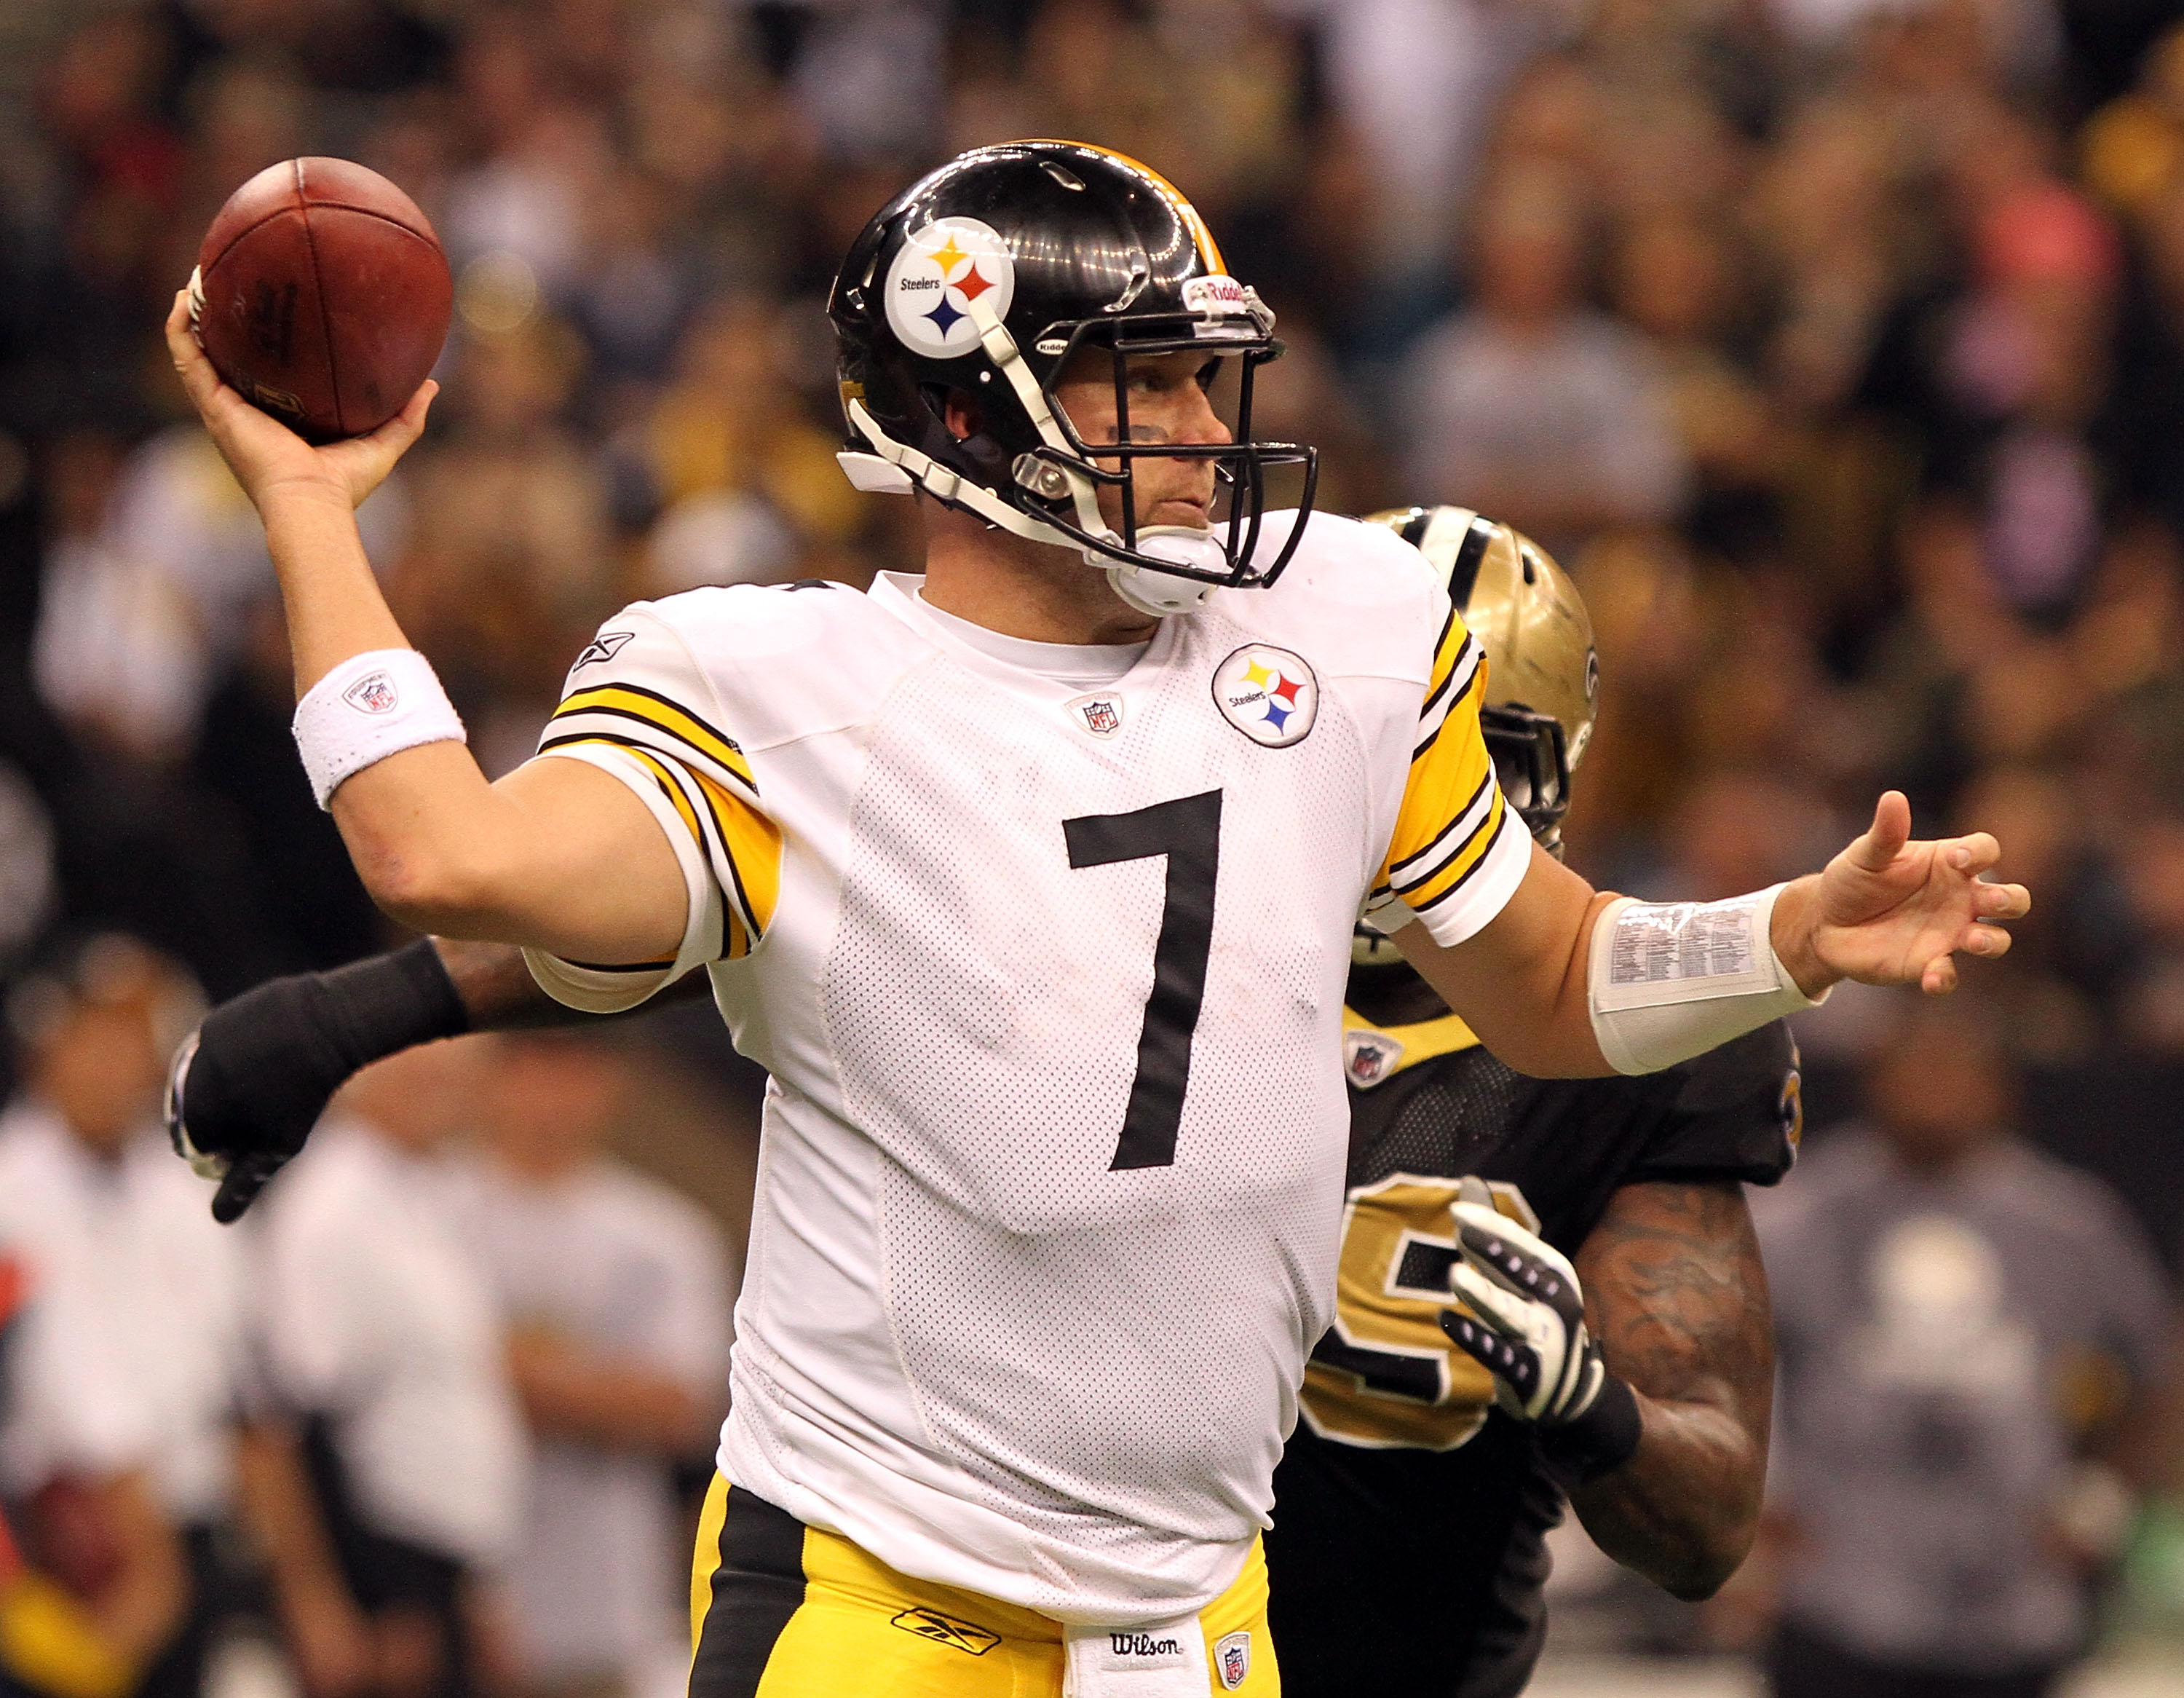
(986, 277)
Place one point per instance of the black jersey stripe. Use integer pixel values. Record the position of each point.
(576, 714)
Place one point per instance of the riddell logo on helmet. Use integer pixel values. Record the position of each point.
(1216, 293)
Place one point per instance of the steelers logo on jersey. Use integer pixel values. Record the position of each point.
(1270, 694)
(939, 273)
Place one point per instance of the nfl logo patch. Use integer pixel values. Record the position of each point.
(1232, 1657)
(1100, 713)
(1369, 1057)
(373, 693)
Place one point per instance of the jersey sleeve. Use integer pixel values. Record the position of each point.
(1458, 852)
(637, 705)
(1734, 1112)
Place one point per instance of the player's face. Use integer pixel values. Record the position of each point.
(1167, 402)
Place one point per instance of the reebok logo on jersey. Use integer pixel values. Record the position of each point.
(374, 693)
(964, 1636)
(1099, 713)
(604, 647)
(1232, 1659)
(1269, 695)
(1144, 1645)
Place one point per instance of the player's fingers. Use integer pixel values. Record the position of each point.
(1940, 977)
(1489, 1301)
(1988, 940)
(1973, 855)
(244, 1181)
(1884, 840)
(2001, 902)
(199, 378)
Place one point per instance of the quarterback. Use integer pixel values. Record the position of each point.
(1435, 1446)
(1031, 882)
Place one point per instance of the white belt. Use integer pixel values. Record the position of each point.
(1153, 1660)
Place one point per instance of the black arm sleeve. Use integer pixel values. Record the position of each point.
(254, 1079)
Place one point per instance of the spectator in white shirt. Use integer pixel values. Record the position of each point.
(1530, 405)
(119, 1424)
(618, 1296)
(387, 1482)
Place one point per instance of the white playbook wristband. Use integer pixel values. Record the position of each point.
(371, 705)
(1670, 981)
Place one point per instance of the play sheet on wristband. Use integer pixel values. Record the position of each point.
(1663, 953)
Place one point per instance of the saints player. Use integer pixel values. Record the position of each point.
(1407, 1552)
(1030, 885)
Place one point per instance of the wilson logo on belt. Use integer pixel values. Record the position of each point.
(964, 1636)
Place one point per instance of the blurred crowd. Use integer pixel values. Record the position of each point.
(1837, 346)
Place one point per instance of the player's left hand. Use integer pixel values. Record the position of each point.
(1527, 1326)
(1888, 911)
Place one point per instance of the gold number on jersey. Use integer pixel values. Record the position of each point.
(1386, 1376)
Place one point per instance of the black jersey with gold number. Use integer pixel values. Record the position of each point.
(1408, 1549)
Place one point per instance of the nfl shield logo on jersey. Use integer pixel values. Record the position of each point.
(1232, 1657)
(373, 693)
(1101, 714)
(1369, 1057)
(1269, 695)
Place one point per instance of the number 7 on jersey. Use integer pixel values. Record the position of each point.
(1188, 831)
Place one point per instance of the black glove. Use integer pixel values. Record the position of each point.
(246, 1087)
(1527, 1328)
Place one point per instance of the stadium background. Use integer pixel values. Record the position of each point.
(1837, 346)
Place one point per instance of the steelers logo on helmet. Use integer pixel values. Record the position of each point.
(938, 272)
(1270, 694)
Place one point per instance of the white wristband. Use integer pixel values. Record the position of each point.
(371, 705)
(1670, 980)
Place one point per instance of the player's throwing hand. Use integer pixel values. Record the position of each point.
(1888, 911)
(264, 454)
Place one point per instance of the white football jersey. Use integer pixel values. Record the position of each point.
(1049, 982)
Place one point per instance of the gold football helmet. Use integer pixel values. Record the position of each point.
(1542, 675)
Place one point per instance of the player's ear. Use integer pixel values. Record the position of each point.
(962, 415)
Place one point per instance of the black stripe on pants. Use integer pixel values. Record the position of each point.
(757, 1586)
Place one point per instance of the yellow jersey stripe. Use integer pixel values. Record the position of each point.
(1414, 869)
(630, 701)
(1458, 869)
(668, 784)
(1445, 775)
(752, 849)
(1463, 711)
(1455, 669)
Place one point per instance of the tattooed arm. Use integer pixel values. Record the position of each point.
(1676, 1296)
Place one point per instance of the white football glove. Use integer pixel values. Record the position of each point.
(1529, 1326)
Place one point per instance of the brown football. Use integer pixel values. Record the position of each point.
(322, 295)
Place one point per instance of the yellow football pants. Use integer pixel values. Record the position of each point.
(780, 1609)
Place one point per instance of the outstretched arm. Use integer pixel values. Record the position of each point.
(1675, 1293)
(246, 1088)
(1887, 910)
